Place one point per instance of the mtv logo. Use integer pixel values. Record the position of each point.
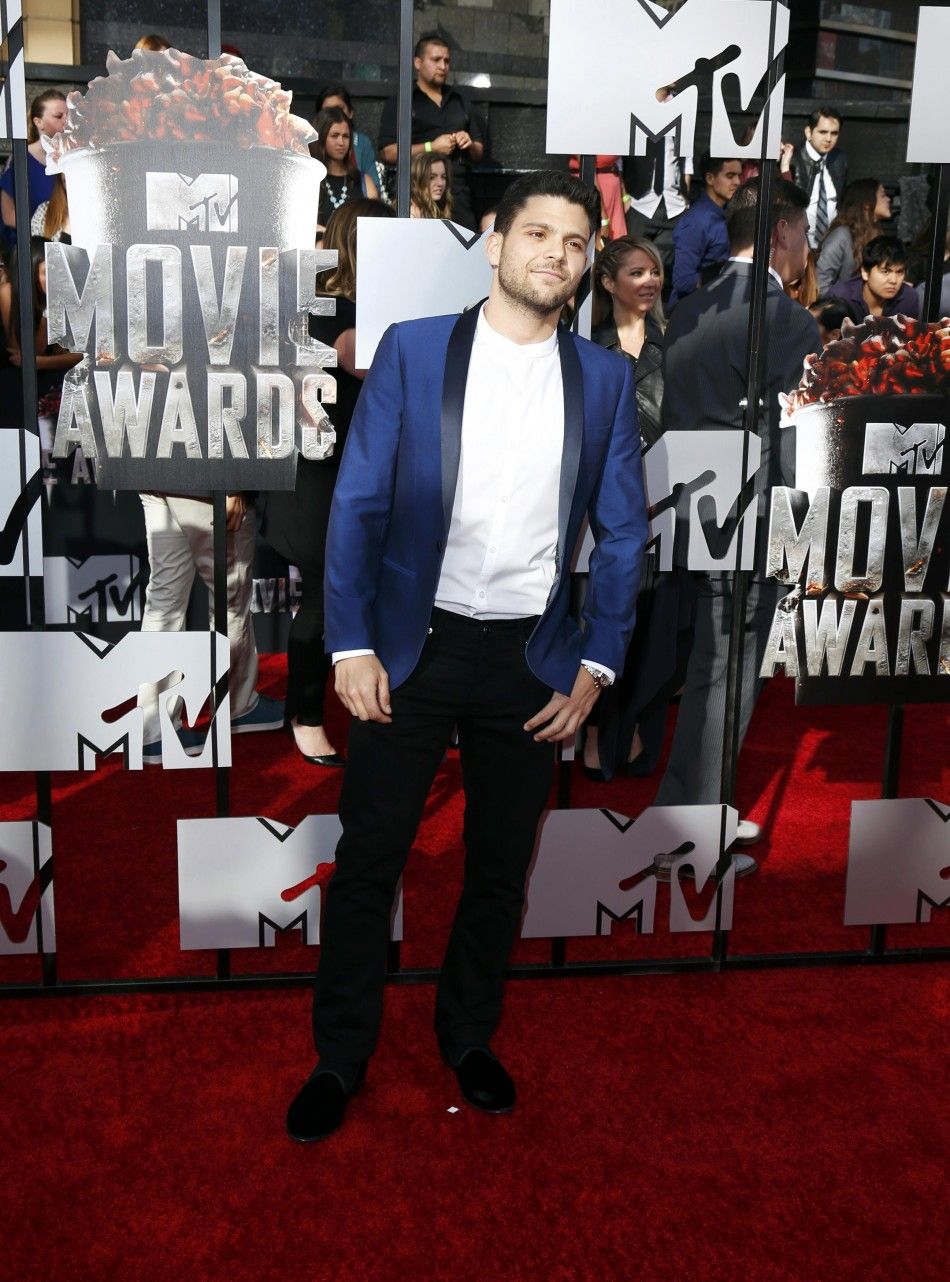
(20, 513)
(27, 922)
(240, 881)
(175, 202)
(898, 861)
(699, 501)
(407, 268)
(915, 449)
(93, 589)
(593, 867)
(68, 697)
(719, 46)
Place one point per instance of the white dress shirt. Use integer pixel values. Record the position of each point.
(831, 196)
(501, 557)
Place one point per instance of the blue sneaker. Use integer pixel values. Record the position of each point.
(192, 742)
(267, 714)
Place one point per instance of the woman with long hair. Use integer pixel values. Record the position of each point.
(865, 205)
(334, 147)
(430, 186)
(51, 219)
(295, 522)
(628, 317)
(628, 723)
(47, 117)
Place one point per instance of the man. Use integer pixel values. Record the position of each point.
(700, 239)
(443, 121)
(657, 184)
(478, 444)
(881, 289)
(821, 170)
(705, 360)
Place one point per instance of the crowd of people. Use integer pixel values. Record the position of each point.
(671, 237)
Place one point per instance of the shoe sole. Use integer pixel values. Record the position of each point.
(257, 727)
(325, 1135)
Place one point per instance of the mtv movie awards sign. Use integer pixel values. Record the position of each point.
(190, 279)
(864, 539)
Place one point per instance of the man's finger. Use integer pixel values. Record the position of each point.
(383, 691)
(554, 729)
(546, 713)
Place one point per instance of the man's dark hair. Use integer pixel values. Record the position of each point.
(788, 201)
(826, 110)
(712, 164)
(547, 182)
(430, 38)
(334, 91)
(830, 312)
(884, 251)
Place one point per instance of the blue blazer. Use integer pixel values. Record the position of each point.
(393, 502)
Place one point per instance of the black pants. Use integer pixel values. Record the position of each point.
(308, 666)
(472, 674)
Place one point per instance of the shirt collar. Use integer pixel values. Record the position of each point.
(737, 258)
(810, 152)
(508, 350)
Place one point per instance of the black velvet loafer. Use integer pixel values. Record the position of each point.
(483, 1080)
(319, 1106)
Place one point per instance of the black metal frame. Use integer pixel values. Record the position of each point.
(719, 958)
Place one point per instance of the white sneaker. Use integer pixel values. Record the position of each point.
(663, 866)
(747, 833)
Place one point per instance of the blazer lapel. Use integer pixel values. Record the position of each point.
(573, 388)
(457, 358)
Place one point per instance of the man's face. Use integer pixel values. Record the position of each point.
(432, 65)
(790, 247)
(825, 134)
(884, 280)
(724, 185)
(543, 255)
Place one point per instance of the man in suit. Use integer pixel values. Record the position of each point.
(820, 168)
(705, 362)
(477, 447)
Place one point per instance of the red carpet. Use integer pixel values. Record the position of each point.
(763, 1126)
(782, 1126)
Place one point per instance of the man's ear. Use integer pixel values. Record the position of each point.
(493, 242)
(865, 274)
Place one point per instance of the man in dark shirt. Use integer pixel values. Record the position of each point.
(881, 289)
(443, 122)
(700, 239)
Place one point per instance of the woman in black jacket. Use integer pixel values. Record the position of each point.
(631, 715)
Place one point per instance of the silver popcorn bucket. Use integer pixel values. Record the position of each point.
(871, 440)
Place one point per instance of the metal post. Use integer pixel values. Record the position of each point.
(214, 28)
(404, 108)
(755, 377)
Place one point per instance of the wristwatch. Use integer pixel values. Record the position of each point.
(600, 679)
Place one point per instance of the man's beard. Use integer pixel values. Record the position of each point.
(529, 295)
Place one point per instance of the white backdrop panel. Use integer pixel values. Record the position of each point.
(407, 268)
(19, 507)
(898, 861)
(928, 139)
(92, 589)
(607, 61)
(26, 888)
(55, 686)
(592, 867)
(241, 880)
(700, 474)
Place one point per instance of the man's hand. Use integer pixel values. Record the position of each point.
(785, 153)
(445, 144)
(565, 714)
(362, 684)
(235, 508)
(463, 140)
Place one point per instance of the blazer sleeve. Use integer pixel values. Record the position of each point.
(362, 503)
(618, 521)
(688, 237)
(834, 259)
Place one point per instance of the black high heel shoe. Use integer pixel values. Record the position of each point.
(332, 759)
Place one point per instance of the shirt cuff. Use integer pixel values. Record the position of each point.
(608, 672)
(337, 655)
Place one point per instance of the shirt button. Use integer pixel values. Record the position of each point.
(504, 498)
(481, 596)
(493, 548)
